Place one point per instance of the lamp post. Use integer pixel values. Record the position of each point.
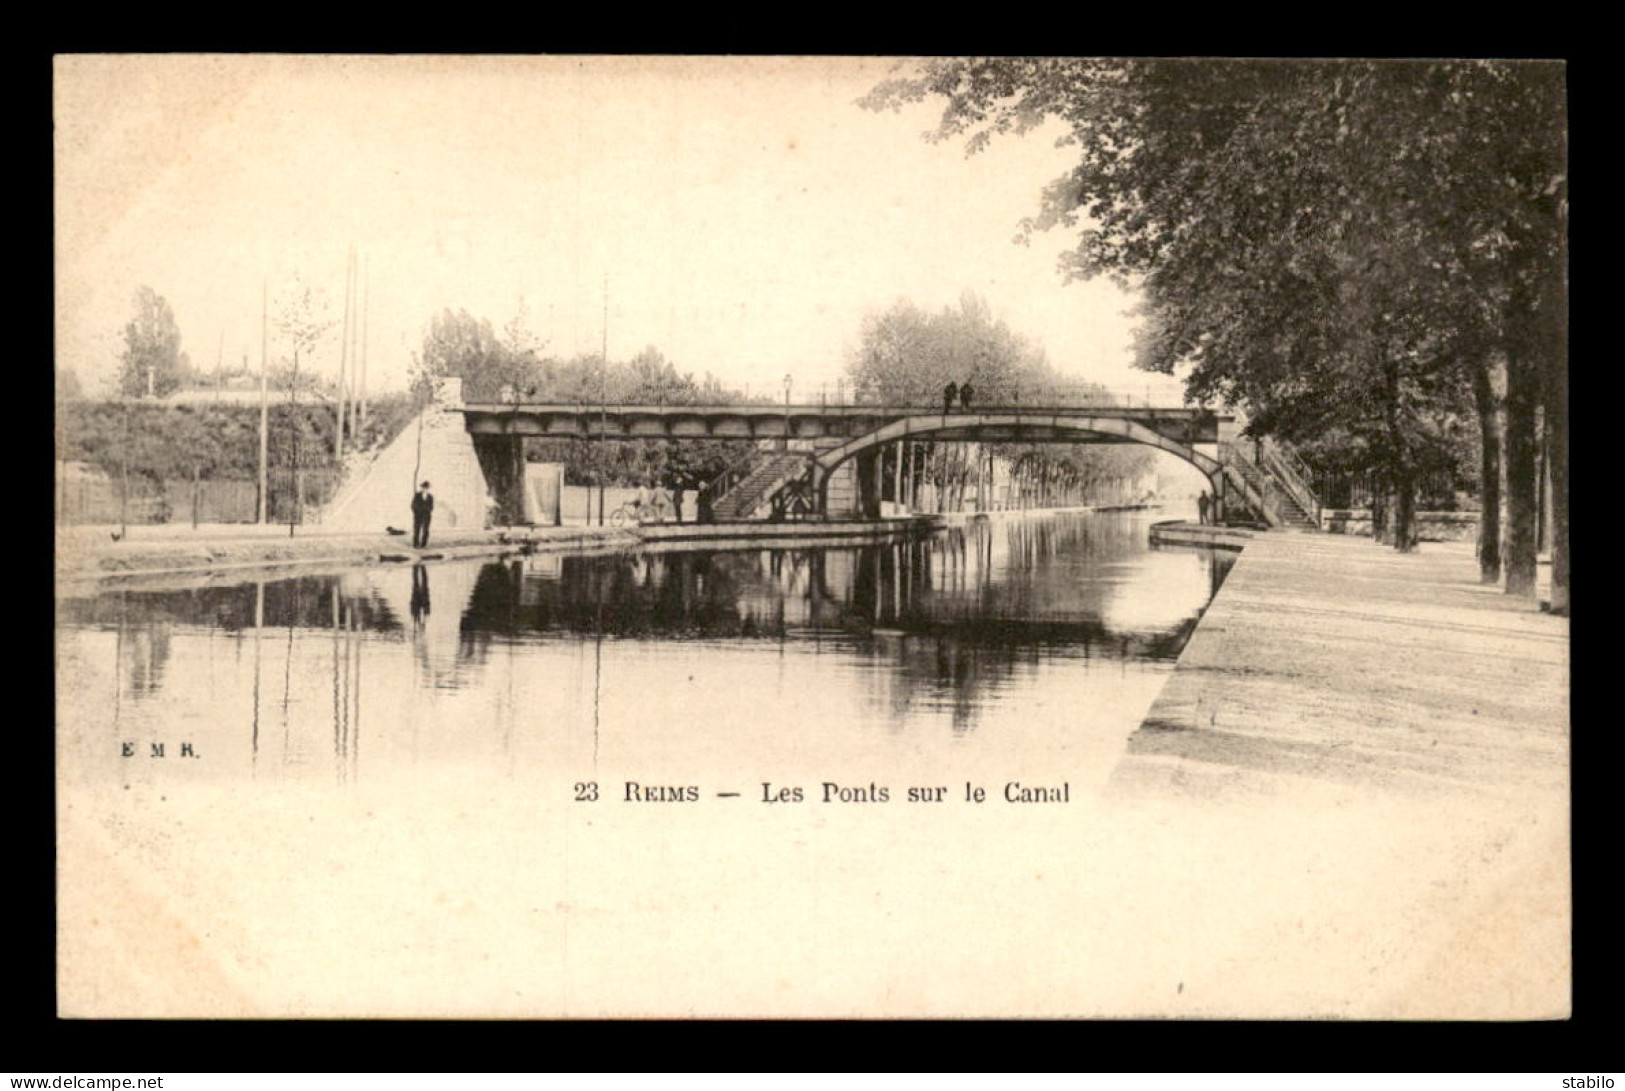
(124, 477)
(296, 509)
(512, 509)
(603, 415)
(788, 380)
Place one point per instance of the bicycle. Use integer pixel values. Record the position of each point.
(637, 510)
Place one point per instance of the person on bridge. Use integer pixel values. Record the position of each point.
(950, 394)
(1203, 504)
(422, 512)
(965, 393)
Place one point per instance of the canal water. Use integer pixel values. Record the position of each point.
(1019, 649)
(678, 782)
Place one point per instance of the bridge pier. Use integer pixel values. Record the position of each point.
(502, 461)
(836, 491)
(1215, 482)
(869, 485)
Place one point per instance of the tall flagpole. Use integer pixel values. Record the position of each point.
(264, 312)
(344, 354)
(366, 325)
(355, 340)
(603, 409)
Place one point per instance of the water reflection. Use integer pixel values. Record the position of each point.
(988, 629)
(420, 594)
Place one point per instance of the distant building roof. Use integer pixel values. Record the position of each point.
(82, 471)
(210, 395)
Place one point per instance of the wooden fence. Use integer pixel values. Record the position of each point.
(84, 499)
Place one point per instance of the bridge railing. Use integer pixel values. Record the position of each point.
(844, 395)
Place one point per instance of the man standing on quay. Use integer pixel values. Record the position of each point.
(422, 511)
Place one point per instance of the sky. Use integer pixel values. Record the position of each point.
(740, 215)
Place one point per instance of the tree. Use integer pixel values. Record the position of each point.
(68, 387)
(906, 356)
(302, 323)
(1343, 248)
(151, 361)
(457, 344)
(652, 378)
(521, 372)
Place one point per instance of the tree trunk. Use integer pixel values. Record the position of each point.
(1557, 454)
(1399, 479)
(1556, 397)
(1489, 472)
(1405, 513)
(1523, 395)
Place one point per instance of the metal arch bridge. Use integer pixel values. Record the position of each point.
(841, 432)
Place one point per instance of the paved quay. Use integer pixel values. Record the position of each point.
(221, 551)
(92, 553)
(1352, 792)
(1338, 660)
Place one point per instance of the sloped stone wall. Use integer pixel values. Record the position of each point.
(382, 495)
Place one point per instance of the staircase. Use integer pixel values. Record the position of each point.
(1278, 478)
(748, 486)
(1295, 516)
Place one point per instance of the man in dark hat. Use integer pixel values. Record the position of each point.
(422, 511)
(965, 393)
(950, 394)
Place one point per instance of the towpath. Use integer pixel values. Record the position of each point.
(1333, 659)
(1353, 792)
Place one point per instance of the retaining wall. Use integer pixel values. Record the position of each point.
(1432, 526)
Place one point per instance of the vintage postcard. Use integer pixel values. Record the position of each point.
(632, 536)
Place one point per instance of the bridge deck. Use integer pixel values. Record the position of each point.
(1022, 423)
(1138, 412)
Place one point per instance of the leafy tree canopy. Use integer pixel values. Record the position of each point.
(1331, 245)
(906, 356)
(151, 359)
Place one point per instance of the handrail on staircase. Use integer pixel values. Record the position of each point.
(1286, 451)
(733, 473)
(1257, 494)
(1288, 467)
(738, 473)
